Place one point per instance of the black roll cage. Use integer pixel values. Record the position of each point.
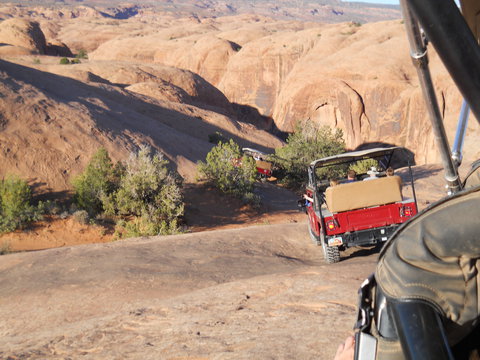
(418, 326)
(446, 28)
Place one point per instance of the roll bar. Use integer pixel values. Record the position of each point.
(419, 56)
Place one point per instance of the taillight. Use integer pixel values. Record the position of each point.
(406, 211)
(331, 225)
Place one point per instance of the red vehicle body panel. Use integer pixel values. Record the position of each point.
(361, 219)
(264, 171)
(370, 218)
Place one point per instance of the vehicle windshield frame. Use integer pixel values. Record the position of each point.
(353, 156)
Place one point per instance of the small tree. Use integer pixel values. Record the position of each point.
(143, 191)
(228, 169)
(82, 54)
(64, 61)
(151, 193)
(306, 144)
(94, 187)
(15, 207)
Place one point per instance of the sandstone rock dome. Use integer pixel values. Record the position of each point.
(24, 35)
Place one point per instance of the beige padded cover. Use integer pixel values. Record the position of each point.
(263, 165)
(361, 194)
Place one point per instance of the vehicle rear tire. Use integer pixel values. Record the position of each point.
(331, 254)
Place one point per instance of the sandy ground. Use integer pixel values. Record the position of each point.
(254, 287)
(257, 292)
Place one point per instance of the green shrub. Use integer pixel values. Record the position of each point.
(143, 191)
(49, 207)
(306, 144)
(362, 166)
(81, 216)
(97, 183)
(148, 186)
(252, 199)
(228, 169)
(64, 61)
(75, 61)
(5, 248)
(82, 54)
(15, 208)
(150, 193)
(144, 226)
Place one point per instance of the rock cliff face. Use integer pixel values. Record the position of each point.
(51, 124)
(355, 77)
(220, 70)
(23, 35)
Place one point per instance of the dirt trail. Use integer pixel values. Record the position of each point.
(254, 288)
(257, 292)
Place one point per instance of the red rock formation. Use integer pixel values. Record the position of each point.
(23, 34)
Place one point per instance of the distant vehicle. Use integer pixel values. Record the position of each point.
(357, 213)
(264, 167)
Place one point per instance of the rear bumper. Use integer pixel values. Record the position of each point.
(364, 237)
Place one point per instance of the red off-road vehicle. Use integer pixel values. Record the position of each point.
(263, 165)
(357, 213)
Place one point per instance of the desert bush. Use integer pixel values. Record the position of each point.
(49, 207)
(307, 143)
(362, 166)
(94, 187)
(252, 199)
(228, 169)
(144, 226)
(16, 209)
(64, 61)
(150, 193)
(143, 191)
(81, 216)
(5, 248)
(82, 54)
